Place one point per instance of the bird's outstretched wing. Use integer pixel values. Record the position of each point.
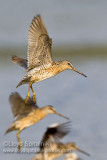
(55, 133)
(18, 106)
(20, 61)
(39, 44)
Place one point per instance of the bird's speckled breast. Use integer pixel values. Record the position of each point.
(45, 73)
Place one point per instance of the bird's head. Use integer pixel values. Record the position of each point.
(50, 110)
(68, 65)
(72, 146)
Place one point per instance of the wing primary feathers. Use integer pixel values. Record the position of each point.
(18, 106)
(55, 133)
(38, 49)
(20, 61)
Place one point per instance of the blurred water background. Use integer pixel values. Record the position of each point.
(79, 32)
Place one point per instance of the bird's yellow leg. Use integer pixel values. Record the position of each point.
(19, 141)
(34, 95)
(27, 97)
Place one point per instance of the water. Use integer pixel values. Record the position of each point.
(82, 99)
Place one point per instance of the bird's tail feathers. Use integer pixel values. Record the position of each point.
(25, 80)
(11, 128)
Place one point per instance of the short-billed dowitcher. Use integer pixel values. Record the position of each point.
(55, 148)
(40, 65)
(27, 115)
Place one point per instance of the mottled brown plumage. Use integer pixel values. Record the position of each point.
(27, 114)
(68, 156)
(40, 65)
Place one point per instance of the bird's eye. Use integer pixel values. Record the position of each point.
(69, 63)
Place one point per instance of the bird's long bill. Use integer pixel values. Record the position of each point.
(78, 72)
(61, 115)
(83, 152)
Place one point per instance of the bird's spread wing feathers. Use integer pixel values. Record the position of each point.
(39, 44)
(55, 133)
(20, 61)
(18, 106)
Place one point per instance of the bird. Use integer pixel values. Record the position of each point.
(39, 64)
(51, 147)
(27, 115)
